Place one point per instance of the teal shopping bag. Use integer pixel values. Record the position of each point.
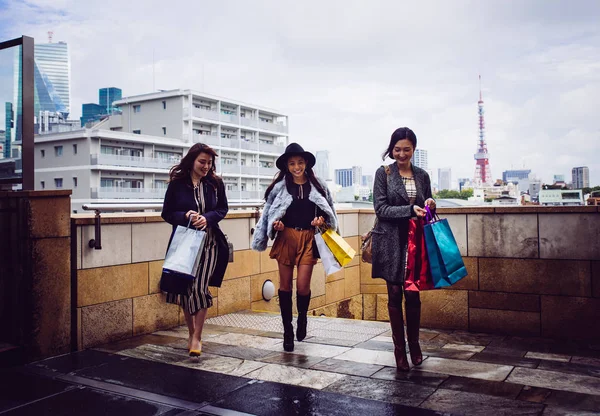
(445, 261)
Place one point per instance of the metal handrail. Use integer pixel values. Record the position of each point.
(96, 242)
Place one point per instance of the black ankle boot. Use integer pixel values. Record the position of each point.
(302, 301)
(285, 304)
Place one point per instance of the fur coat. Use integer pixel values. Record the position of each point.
(277, 204)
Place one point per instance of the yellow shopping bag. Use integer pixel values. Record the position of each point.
(341, 250)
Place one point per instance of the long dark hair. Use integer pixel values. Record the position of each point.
(185, 167)
(403, 133)
(289, 181)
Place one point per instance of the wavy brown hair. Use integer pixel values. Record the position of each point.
(289, 181)
(185, 167)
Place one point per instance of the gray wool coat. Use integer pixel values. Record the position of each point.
(277, 204)
(393, 210)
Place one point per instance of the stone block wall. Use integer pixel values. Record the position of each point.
(118, 293)
(532, 271)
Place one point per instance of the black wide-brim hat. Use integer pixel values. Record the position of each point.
(294, 149)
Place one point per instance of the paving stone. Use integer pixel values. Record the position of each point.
(562, 411)
(388, 391)
(471, 369)
(464, 403)
(360, 355)
(490, 388)
(485, 357)
(546, 356)
(296, 376)
(347, 367)
(332, 341)
(314, 350)
(295, 360)
(446, 353)
(245, 340)
(18, 388)
(376, 345)
(85, 401)
(594, 362)
(280, 399)
(155, 377)
(467, 338)
(137, 341)
(464, 347)
(570, 368)
(223, 365)
(510, 352)
(555, 380)
(154, 354)
(534, 394)
(421, 378)
(244, 353)
(574, 401)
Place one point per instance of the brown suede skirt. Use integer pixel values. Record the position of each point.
(294, 247)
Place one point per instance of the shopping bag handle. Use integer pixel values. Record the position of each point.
(430, 216)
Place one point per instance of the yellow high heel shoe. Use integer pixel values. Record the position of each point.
(196, 352)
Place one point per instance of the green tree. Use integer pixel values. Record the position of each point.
(447, 194)
(371, 197)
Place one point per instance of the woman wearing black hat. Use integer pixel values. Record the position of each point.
(296, 202)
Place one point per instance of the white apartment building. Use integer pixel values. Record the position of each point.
(126, 158)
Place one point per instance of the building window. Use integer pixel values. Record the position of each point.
(43, 184)
(164, 131)
(74, 149)
(58, 151)
(58, 183)
(43, 153)
(164, 103)
(137, 132)
(137, 108)
(74, 182)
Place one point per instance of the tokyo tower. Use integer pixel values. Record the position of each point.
(483, 173)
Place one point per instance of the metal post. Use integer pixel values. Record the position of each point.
(27, 60)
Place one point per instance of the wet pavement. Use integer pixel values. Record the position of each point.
(343, 367)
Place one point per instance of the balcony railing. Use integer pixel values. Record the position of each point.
(248, 145)
(225, 168)
(233, 143)
(202, 113)
(267, 171)
(211, 139)
(229, 118)
(113, 192)
(250, 170)
(271, 148)
(281, 128)
(250, 195)
(133, 161)
(247, 121)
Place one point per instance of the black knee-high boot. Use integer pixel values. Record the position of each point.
(285, 304)
(303, 302)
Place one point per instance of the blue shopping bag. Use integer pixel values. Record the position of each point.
(445, 261)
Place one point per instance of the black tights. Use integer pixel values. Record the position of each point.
(395, 296)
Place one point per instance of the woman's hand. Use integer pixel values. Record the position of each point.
(278, 226)
(430, 203)
(189, 213)
(199, 222)
(419, 212)
(317, 222)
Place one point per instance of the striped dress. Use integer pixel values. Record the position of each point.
(198, 296)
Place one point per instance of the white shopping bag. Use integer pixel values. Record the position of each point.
(185, 251)
(330, 264)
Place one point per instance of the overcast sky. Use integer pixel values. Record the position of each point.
(349, 72)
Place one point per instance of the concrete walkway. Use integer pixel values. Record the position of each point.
(343, 367)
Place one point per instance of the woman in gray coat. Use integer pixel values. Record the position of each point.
(401, 191)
